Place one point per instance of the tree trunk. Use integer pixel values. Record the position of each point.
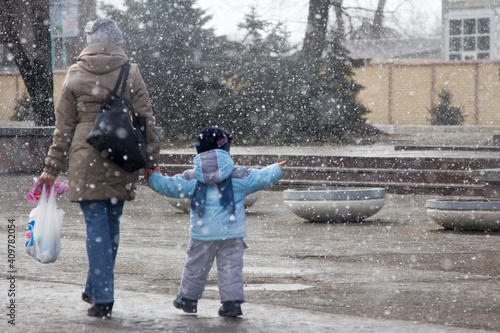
(35, 68)
(378, 20)
(340, 29)
(316, 28)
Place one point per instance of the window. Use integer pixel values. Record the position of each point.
(483, 43)
(483, 26)
(455, 27)
(470, 27)
(469, 38)
(455, 44)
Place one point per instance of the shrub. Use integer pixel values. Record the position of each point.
(444, 113)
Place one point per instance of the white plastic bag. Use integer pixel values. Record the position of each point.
(44, 229)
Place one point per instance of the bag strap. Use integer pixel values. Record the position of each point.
(125, 78)
(122, 78)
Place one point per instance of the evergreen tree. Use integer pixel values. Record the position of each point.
(263, 89)
(262, 76)
(288, 97)
(338, 110)
(180, 61)
(444, 113)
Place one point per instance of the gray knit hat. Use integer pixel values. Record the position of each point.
(103, 31)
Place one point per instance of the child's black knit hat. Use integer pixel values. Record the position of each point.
(213, 137)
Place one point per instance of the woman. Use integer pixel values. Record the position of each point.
(96, 183)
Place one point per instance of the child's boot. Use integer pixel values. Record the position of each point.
(187, 305)
(230, 309)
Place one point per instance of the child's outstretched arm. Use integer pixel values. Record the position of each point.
(281, 164)
(259, 179)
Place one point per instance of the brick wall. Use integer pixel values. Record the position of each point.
(398, 92)
(12, 87)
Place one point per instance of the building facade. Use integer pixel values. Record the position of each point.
(471, 29)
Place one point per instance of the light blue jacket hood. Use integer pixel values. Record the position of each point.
(213, 166)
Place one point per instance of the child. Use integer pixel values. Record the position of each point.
(217, 190)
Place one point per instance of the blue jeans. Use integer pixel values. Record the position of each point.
(103, 236)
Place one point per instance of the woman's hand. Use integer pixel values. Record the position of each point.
(47, 179)
(149, 171)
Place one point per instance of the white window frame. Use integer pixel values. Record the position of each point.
(464, 15)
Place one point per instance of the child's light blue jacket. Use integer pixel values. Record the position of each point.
(211, 168)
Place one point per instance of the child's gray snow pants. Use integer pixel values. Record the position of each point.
(200, 258)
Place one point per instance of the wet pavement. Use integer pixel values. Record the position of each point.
(149, 312)
(395, 272)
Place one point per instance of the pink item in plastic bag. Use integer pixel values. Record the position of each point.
(60, 187)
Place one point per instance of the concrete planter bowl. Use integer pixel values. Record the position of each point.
(184, 204)
(334, 204)
(465, 214)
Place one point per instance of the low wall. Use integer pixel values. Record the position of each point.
(473, 135)
(401, 92)
(12, 87)
(397, 92)
(23, 149)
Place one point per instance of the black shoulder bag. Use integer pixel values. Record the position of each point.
(119, 133)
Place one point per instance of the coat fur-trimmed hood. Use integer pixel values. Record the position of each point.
(102, 58)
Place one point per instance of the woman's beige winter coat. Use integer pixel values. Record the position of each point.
(84, 90)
